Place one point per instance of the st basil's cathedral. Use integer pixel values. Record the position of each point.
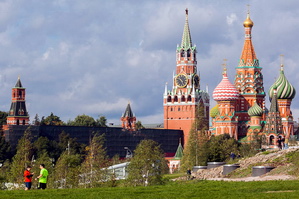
(240, 110)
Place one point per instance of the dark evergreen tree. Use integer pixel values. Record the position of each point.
(36, 121)
(139, 125)
(3, 117)
(101, 121)
(5, 149)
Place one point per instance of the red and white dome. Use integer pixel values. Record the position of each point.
(225, 91)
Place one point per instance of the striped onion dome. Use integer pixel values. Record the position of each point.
(255, 110)
(225, 91)
(285, 90)
(214, 111)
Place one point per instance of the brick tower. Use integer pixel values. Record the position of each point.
(18, 114)
(248, 80)
(273, 127)
(181, 102)
(128, 119)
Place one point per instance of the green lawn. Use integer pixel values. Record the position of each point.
(190, 189)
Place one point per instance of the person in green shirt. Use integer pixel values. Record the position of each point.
(43, 176)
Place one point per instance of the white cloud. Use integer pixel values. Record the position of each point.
(231, 18)
(76, 57)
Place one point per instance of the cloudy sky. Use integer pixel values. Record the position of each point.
(93, 57)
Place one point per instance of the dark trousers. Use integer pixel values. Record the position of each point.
(42, 185)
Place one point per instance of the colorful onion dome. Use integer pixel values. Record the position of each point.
(248, 22)
(285, 90)
(214, 111)
(255, 110)
(225, 91)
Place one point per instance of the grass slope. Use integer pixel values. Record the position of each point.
(190, 189)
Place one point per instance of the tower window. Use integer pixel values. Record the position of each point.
(175, 98)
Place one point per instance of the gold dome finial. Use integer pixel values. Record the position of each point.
(248, 22)
(224, 66)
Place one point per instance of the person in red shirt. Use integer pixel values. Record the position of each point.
(28, 178)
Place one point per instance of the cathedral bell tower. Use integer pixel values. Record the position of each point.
(181, 102)
(18, 114)
(248, 80)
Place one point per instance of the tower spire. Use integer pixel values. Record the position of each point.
(281, 62)
(186, 39)
(224, 73)
(248, 56)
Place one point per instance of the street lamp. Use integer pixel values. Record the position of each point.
(129, 152)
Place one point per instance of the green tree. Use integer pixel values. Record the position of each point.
(22, 157)
(83, 120)
(139, 125)
(5, 149)
(195, 152)
(66, 172)
(40, 145)
(219, 147)
(101, 121)
(147, 165)
(66, 142)
(3, 117)
(52, 120)
(92, 173)
(5, 172)
(36, 121)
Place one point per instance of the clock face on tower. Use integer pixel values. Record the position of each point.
(196, 81)
(181, 80)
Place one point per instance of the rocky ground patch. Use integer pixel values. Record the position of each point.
(274, 158)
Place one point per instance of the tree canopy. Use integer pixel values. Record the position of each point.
(52, 120)
(147, 165)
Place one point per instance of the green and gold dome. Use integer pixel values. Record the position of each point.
(285, 90)
(214, 111)
(255, 110)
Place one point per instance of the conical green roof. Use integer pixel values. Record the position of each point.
(285, 90)
(179, 152)
(186, 40)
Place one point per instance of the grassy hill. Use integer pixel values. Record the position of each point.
(191, 189)
(285, 161)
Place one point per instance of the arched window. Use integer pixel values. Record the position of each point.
(271, 140)
(183, 99)
(189, 98)
(175, 98)
(169, 99)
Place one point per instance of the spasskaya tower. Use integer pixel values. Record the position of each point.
(182, 101)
